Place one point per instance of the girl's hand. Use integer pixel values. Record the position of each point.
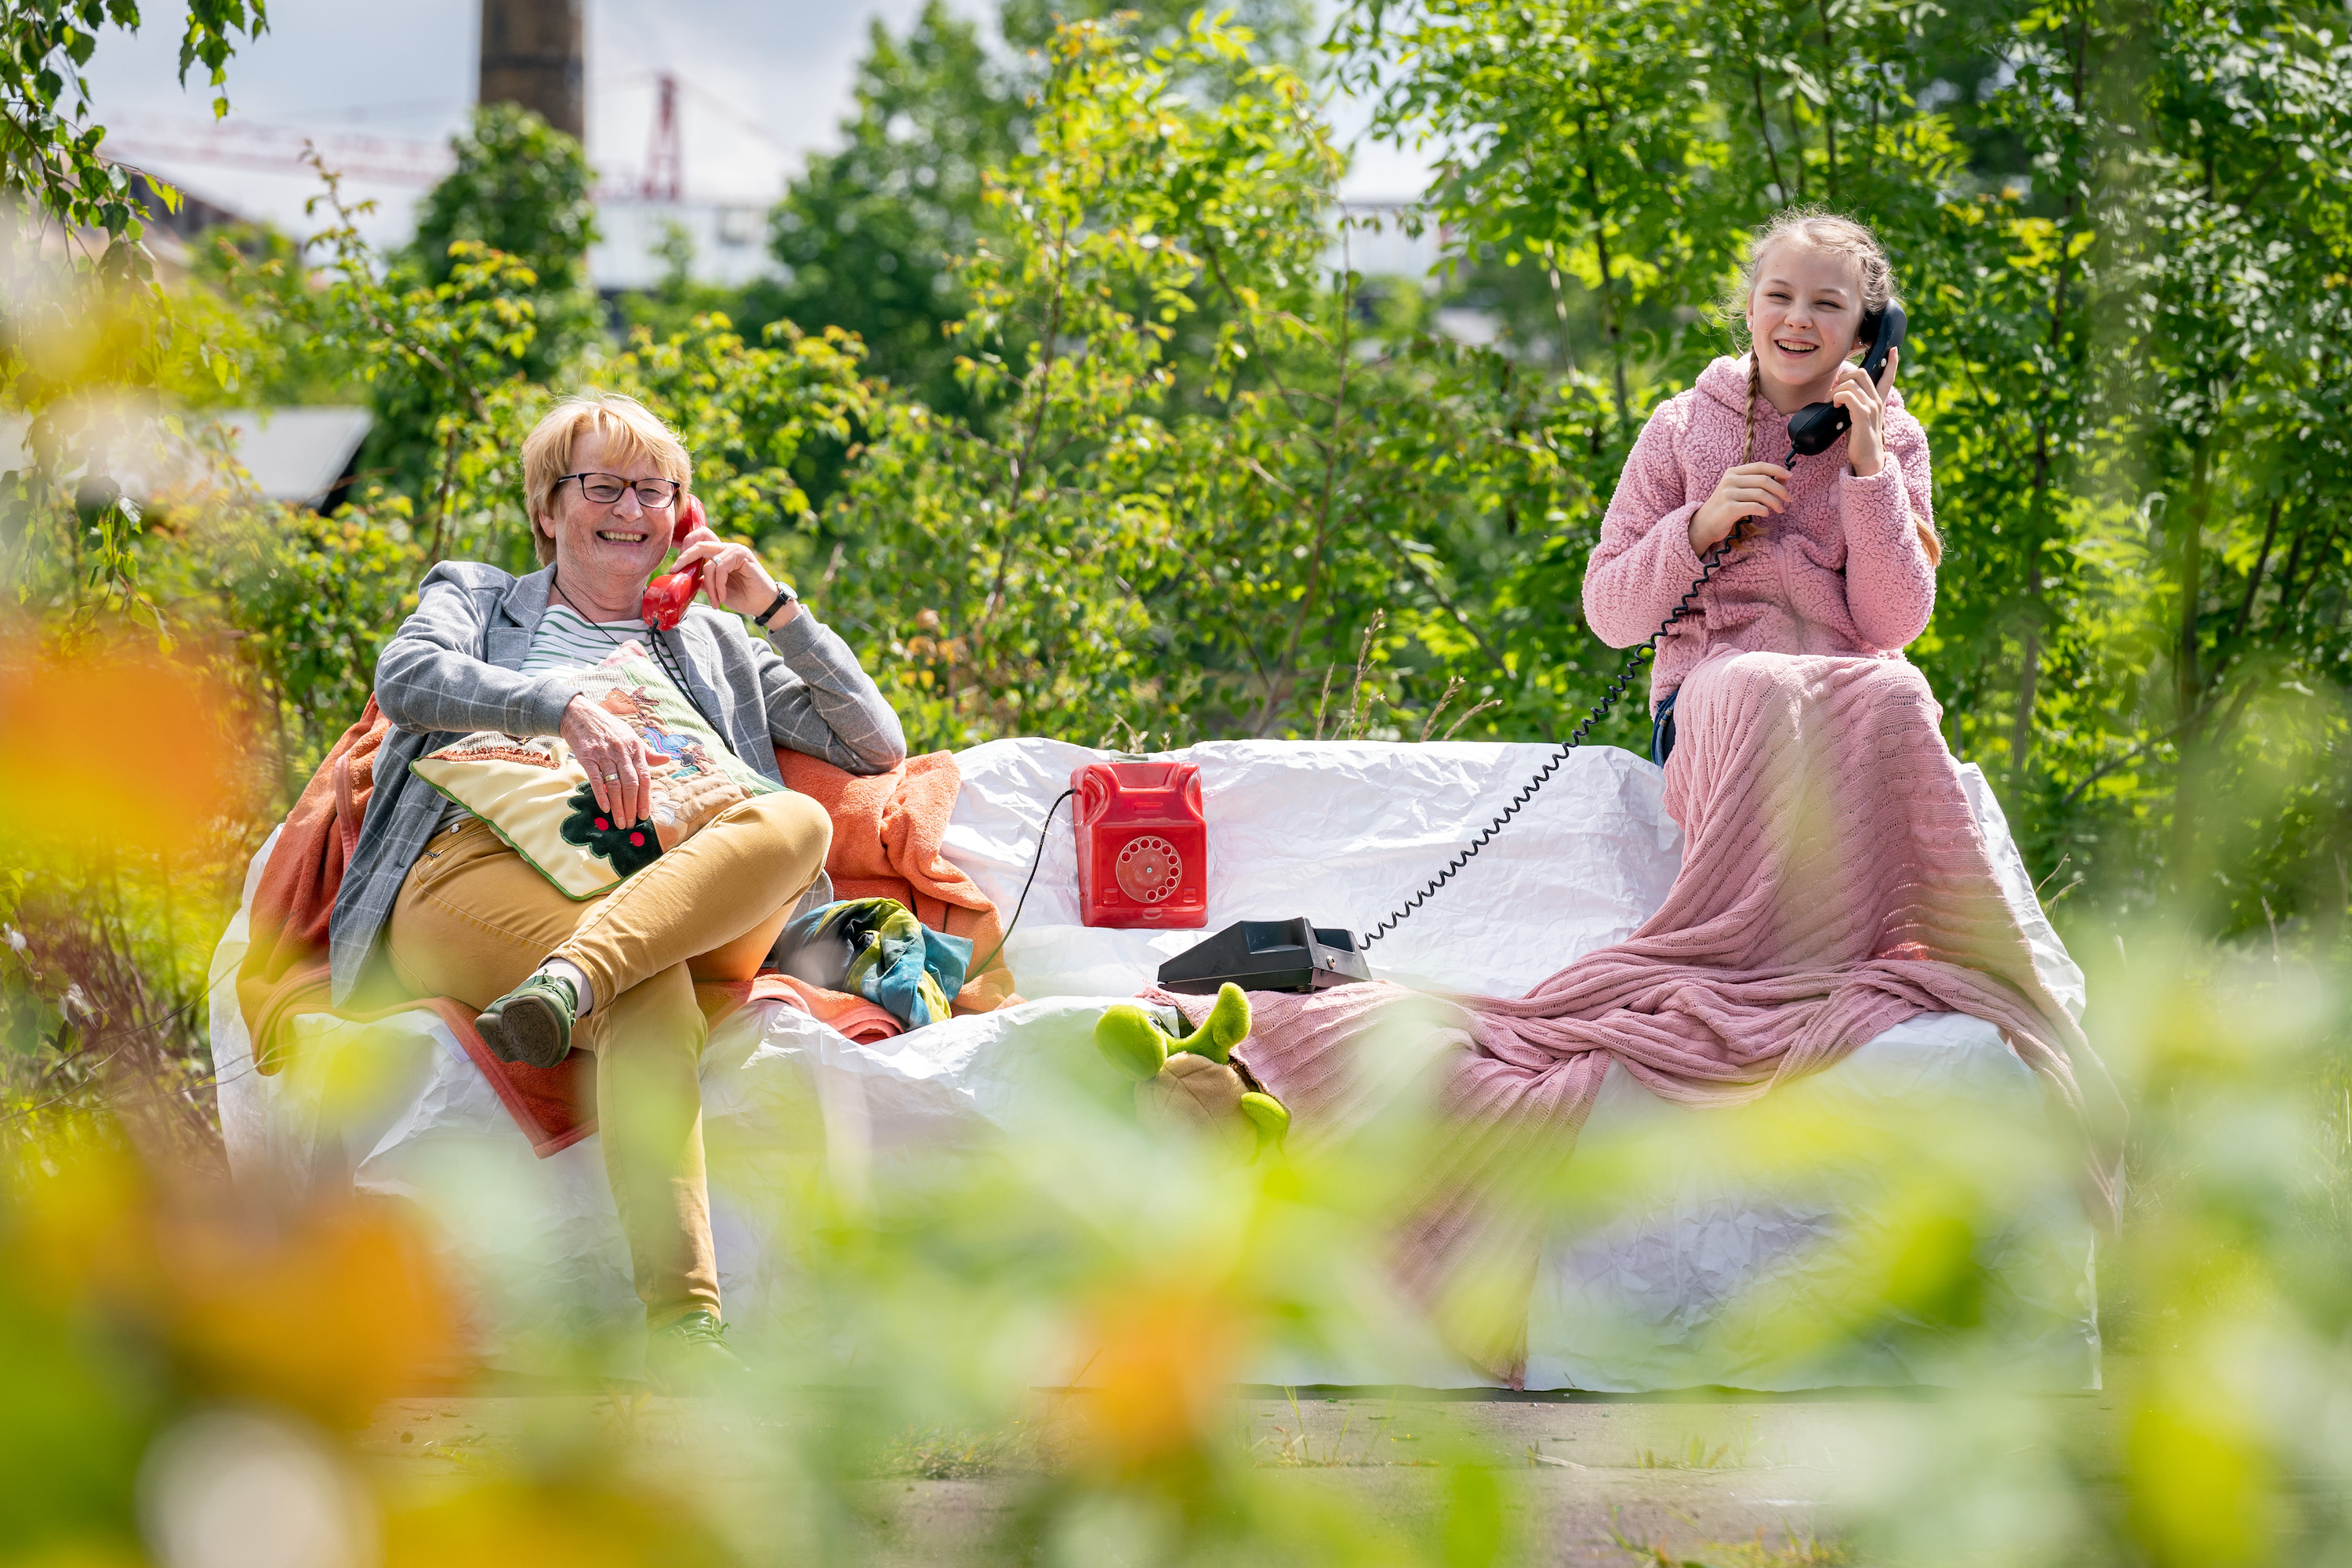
(735, 578)
(620, 767)
(1743, 493)
(1865, 405)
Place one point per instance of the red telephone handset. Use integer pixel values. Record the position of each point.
(666, 597)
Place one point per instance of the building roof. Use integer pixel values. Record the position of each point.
(301, 456)
(298, 454)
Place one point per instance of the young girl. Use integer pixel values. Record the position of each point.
(1845, 562)
(1833, 882)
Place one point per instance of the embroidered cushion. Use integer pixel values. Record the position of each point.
(535, 794)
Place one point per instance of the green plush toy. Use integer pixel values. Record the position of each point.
(1192, 1080)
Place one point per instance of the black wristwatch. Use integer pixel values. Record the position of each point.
(784, 596)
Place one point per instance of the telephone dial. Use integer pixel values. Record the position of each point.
(1143, 845)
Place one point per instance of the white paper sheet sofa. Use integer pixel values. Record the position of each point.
(1659, 1294)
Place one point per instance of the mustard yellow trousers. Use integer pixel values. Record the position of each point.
(473, 919)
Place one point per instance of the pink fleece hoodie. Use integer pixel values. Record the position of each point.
(1842, 571)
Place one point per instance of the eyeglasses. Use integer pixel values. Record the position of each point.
(654, 495)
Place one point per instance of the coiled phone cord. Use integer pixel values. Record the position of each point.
(1641, 655)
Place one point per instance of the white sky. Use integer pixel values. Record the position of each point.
(760, 85)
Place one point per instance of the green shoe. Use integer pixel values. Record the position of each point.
(690, 1357)
(531, 1023)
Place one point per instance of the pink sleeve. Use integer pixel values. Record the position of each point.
(1643, 565)
(1890, 583)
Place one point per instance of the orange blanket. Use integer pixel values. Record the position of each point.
(886, 832)
(285, 972)
(285, 968)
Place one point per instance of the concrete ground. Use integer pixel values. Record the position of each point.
(1727, 1482)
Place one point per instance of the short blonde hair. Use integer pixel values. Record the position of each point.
(633, 434)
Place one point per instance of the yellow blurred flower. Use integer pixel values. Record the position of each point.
(1164, 1357)
(326, 1307)
(523, 1524)
(110, 747)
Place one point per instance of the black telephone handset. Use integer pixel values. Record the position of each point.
(1814, 427)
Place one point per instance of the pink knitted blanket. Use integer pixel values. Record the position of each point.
(1834, 884)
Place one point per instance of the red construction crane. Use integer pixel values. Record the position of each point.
(665, 154)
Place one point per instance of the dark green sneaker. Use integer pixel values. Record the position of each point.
(531, 1023)
(690, 1357)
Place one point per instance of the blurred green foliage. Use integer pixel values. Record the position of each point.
(89, 324)
(1066, 416)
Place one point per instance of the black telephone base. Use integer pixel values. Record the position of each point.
(1268, 955)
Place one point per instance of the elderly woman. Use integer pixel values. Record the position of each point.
(434, 902)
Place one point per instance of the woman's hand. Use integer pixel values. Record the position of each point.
(735, 578)
(620, 767)
(1743, 493)
(1865, 403)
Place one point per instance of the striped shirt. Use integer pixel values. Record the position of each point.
(567, 640)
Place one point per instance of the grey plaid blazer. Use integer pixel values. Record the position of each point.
(452, 668)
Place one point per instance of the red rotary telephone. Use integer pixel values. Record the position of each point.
(667, 598)
(1143, 845)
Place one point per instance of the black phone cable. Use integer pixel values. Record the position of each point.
(1034, 861)
(1641, 655)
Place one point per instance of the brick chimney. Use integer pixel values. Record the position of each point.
(534, 54)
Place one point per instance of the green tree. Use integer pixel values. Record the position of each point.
(524, 189)
(48, 153)
(1200, 492)
(2011, 289)
(498, 271)
(2236, 229)
(866, 233)
(867, 236)
(1574, 146)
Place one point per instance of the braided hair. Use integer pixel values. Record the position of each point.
(1839, 236)
(1755, 392)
